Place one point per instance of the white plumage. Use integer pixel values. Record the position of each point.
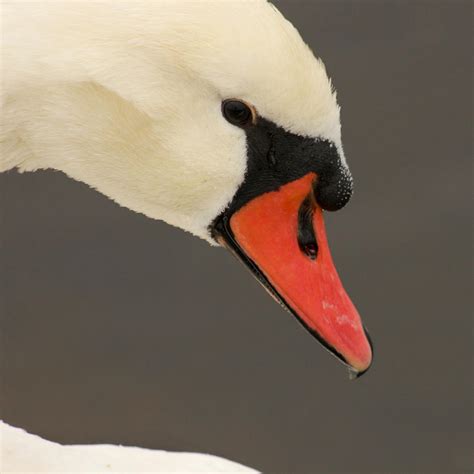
(24, 452)
(126, 97)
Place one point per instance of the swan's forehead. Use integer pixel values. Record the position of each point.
(248, 50)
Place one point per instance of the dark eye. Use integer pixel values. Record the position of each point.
(236, 112)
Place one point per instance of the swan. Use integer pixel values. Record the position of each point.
(213, 116)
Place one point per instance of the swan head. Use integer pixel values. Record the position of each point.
(218, 120)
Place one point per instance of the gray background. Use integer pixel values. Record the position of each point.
(120, 329)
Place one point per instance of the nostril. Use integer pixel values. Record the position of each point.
(307, 240)
(311, 250)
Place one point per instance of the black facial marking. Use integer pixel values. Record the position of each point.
(307, 241)
(271, 157)
(276, 157)
(334, 189)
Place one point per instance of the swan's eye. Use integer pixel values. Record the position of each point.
(236, 112)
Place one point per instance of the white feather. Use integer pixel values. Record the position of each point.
(24, 452)
(126, 96)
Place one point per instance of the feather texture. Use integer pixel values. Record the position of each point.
(126, 96)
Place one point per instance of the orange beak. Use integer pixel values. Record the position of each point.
(280, 236)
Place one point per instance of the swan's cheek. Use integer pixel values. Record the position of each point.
(204, 166)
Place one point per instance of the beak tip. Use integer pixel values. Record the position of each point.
(356, 374)
(358, 371)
